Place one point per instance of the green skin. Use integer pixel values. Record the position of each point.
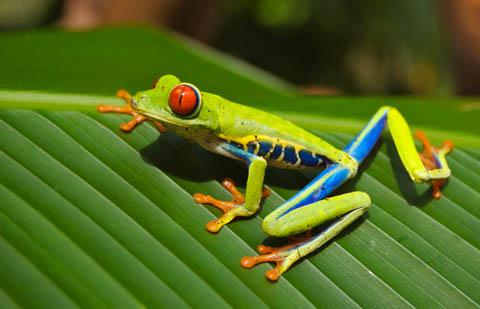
(219, 121)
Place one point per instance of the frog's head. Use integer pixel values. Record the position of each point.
(178, 106)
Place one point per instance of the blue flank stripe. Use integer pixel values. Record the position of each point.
(308, 159)
(265, 148)
(365, 146)
(277, 151)
(330, 178)
(337, 174)
(235, 144)
(239, 153)
(251, 146)
(289, 155)
(322, 159)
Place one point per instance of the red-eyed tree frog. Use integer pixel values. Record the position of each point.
(260, 139)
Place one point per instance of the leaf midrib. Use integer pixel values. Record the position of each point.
(37, 100)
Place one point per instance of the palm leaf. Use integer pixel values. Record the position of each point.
(93, 217)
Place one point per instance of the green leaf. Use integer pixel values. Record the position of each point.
(93, 217)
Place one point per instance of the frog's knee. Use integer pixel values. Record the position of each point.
(420, 175)
(271, 227)
(385, 108)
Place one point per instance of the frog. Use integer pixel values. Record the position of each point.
(261, 139)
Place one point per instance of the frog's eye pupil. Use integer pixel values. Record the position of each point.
(184, 100)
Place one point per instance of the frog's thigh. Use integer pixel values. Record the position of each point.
(309, 216)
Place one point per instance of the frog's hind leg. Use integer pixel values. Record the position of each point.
(295, 217)
(431, 165)
(432, 158)
(311, 206)
(349, 207)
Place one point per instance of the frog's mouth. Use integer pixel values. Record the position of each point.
(168, 120)
(137, 111)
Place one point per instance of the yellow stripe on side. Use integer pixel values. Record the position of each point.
(402, 137)
(257, 148)
(267, 155)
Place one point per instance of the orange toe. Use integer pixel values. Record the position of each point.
(231, 209)
(273, 274)
(264, 249)
(247, 262)
(213, 226)
(123, 94)
(430, 161)
(200, 198)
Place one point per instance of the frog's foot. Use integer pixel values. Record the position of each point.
(283, 256)
(431, 158)
(127, 109)
(231, 209)
(294, 241)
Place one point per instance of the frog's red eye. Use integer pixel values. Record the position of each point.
(184, 99)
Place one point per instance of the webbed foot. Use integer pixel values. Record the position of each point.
(231, 209)
(431, 157)
(283, 256)
(127, 109)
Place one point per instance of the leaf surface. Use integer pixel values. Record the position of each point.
(93, 217)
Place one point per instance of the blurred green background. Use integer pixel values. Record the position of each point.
(326, 47)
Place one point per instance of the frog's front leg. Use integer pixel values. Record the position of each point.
(241, 205)
(127, 109)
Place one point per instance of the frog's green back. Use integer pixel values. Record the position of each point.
(242, 124)
(239, 122)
